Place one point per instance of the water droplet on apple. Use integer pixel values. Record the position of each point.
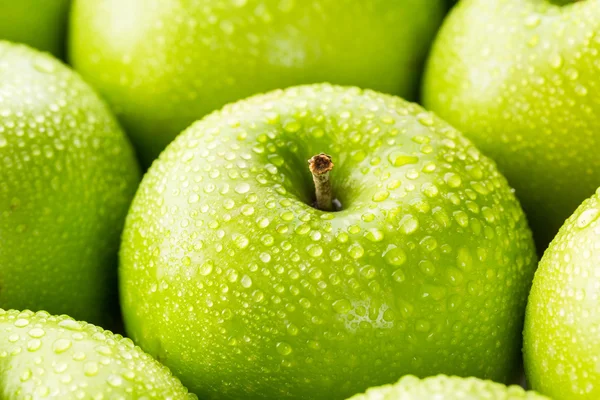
(206, 268)
(587, 217)
(356, 251)
(61, 345)
(26, 375)
(394, 255)
(36, 332)
(283, 348)
(381, 196)
(34, 344)
(374, 235)
(315, 250)
(242, 188)
(91, 368)
(409, 224)
(246, 281)
(342, 306)
(398, 159)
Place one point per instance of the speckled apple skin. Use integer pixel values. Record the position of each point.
(521, 79)
(56, 357)
(234, 281)
(443, 387)
(562, 341)
(163, 64)
(67, 176)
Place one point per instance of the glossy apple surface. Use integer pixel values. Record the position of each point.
(38, 23)
(163, 64)
(561, 343)
(56, 357)
(67, 177)
(520, 78)
(443, 387)
(232, 279)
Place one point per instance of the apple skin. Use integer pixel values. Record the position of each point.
(38, 23)
(163, 64)
(68, 176)
(244, 290)
(47, 356)
(561, 342)
(520, 78)
(448, 388)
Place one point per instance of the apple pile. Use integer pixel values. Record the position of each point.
(297, 227)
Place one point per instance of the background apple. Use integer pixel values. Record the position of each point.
(561, 344)
(520, 78)
(447, 388)
(38, 23)
(68, 175)
(232, 279)
(46, 356)
(163, 64)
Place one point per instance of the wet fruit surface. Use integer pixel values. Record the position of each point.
(447, 388)
(67, 176)
(163, 64)
(563, 314)
(521, 79)
(56, 357)
(233, 280)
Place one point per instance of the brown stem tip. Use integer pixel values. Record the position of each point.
(319, 166)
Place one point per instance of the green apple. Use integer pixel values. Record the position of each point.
(447, 388)
(520, 78)
(235, 281)
(68, 176)
(38, 23)
(561, 341)
(47, 356)
(163, 64)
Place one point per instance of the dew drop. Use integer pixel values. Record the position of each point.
(283, 348)
(394, 255)
(246, 281)
(374, 235)
(242, 188)
(399, 276)
(90, 368)
(381, 195)
(587, 217)
(61, 345)
(342, 306)
(356, 251)
(37, 332)
(206, 268)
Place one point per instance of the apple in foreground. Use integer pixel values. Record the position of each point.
(561, 341)
(520, 79)
(163, 64)
(57, 357)
(447, 388)
(67, 177)
(38, 23)
(232, 278)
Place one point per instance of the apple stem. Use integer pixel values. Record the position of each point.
(319, 166)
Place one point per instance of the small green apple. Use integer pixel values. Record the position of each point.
(232, 279)
(163, 64)
(520, 78)
(68, 176)
(38, 23)
(447, 388)
(561, 341)
(56, 357)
